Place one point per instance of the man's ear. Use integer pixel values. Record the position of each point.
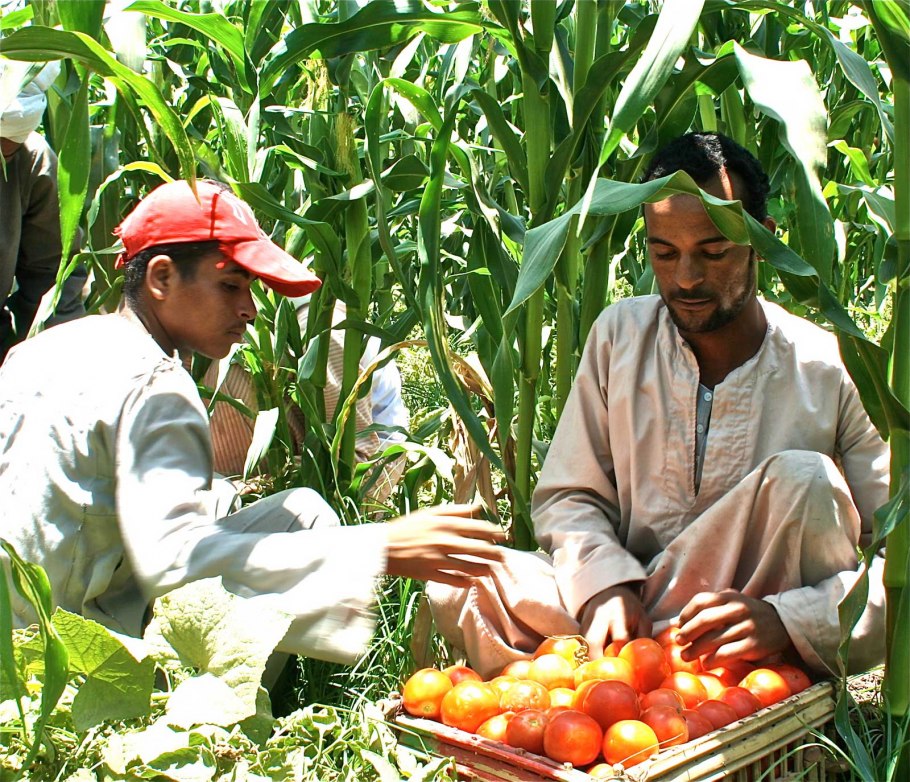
(159, 277)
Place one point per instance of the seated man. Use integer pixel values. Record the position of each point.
(713, 466)
(30, 245)
(106, 477)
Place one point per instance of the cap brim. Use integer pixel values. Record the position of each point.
(281, 272)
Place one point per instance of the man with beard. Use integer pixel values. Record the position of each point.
(713, 468)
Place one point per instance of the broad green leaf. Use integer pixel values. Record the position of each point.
(675, 26)
(263, 433)
(378, 25)
(787, 92)
(206, 699)
(230, 637)
(73, 171)
(81, 16)
(42, 43)
(504, 134)
(123, 749)
(232, 132)
(117, 685)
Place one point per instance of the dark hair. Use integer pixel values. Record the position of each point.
(185, 255)
(703, 155)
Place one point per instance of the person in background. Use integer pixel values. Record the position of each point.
(107, 479)
(30, 245)
(713, 468)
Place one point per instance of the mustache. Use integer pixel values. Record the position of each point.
(692, 296)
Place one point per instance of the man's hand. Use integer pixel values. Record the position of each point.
(727, 626)
(616, 614)
(443, 544)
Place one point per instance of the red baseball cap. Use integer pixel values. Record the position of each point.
(172, 214)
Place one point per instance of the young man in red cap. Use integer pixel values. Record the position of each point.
(107, 480)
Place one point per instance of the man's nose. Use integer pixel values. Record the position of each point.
(247, 307)
(690, 271)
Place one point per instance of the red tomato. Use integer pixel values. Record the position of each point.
(422, 694)
(796, 679)
(526, 730)
(469, 704)
(648, 661)
(713, 685)
(732, 673)
(572, 737)
(663, 696)
(494, 728)
(629, 742)
(668, 725)
(688, 685)
(697, 724)
(743, 702)
(717, 713)
(461, 673)
(766, 685)
(611, 701)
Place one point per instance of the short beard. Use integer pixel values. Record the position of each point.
(722, 316)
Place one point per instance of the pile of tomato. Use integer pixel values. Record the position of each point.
(639, 698)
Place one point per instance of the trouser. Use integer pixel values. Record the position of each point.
(787, 533)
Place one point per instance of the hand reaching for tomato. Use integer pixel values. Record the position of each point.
(727, 625)
(444, 544)
(615, 614)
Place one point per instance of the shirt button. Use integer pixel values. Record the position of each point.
(708, 396)
(699, 428)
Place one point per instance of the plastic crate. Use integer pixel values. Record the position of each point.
(771, 745)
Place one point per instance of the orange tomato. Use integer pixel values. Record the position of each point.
(662, 696)
(562, 696)
(573, 647)
(572, 737)
(601, 771)
(469, 704)
(423, 692)
(606, 668)
(629, 742)
(517, 668)
(581, 690)
(668, 725)
(688, 685)
(667, 636)
(525, 694)
(648, 662)
(494, 728)
(732, 673)
(697, 724)
(743, 702)
(554, 710)
(552, 670)
(612, 648)
(611, 701)
(502, 683)
(674, 657)
(766, 685)
(712, 684)
(796, 679)
(526, 730)
(461, 673)
(717, 713)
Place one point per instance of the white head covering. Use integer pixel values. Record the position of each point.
(21, 115)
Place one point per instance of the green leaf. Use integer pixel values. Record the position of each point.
(217, 633)
(117, 685)
(82, 16)
(503, 133)
(73, 171)
(263, 434)
(675, 26)
(787, 92)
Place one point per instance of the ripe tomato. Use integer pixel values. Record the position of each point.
(461, 673)
(606, 668)
(552, 670)
(674, 657)
(612, 648)
(766, 685)
(526, 730)
(611, 701)
(573, 647)
(662, 696)
(732, 673)
(581, 691)
(712, 684)
(502, 683)
(648, 662)
(554, 710)
(422, 694)
(688, 686)
(667, 636)
(629, 742)
(525, 694)
(697, 724)
(796, 679)
(717, 713)
(601, 771)
(562, 696)
(668, 725)
(517, 668)
(495, 727)
(572, 737)
(468, 704)
(743, 702)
